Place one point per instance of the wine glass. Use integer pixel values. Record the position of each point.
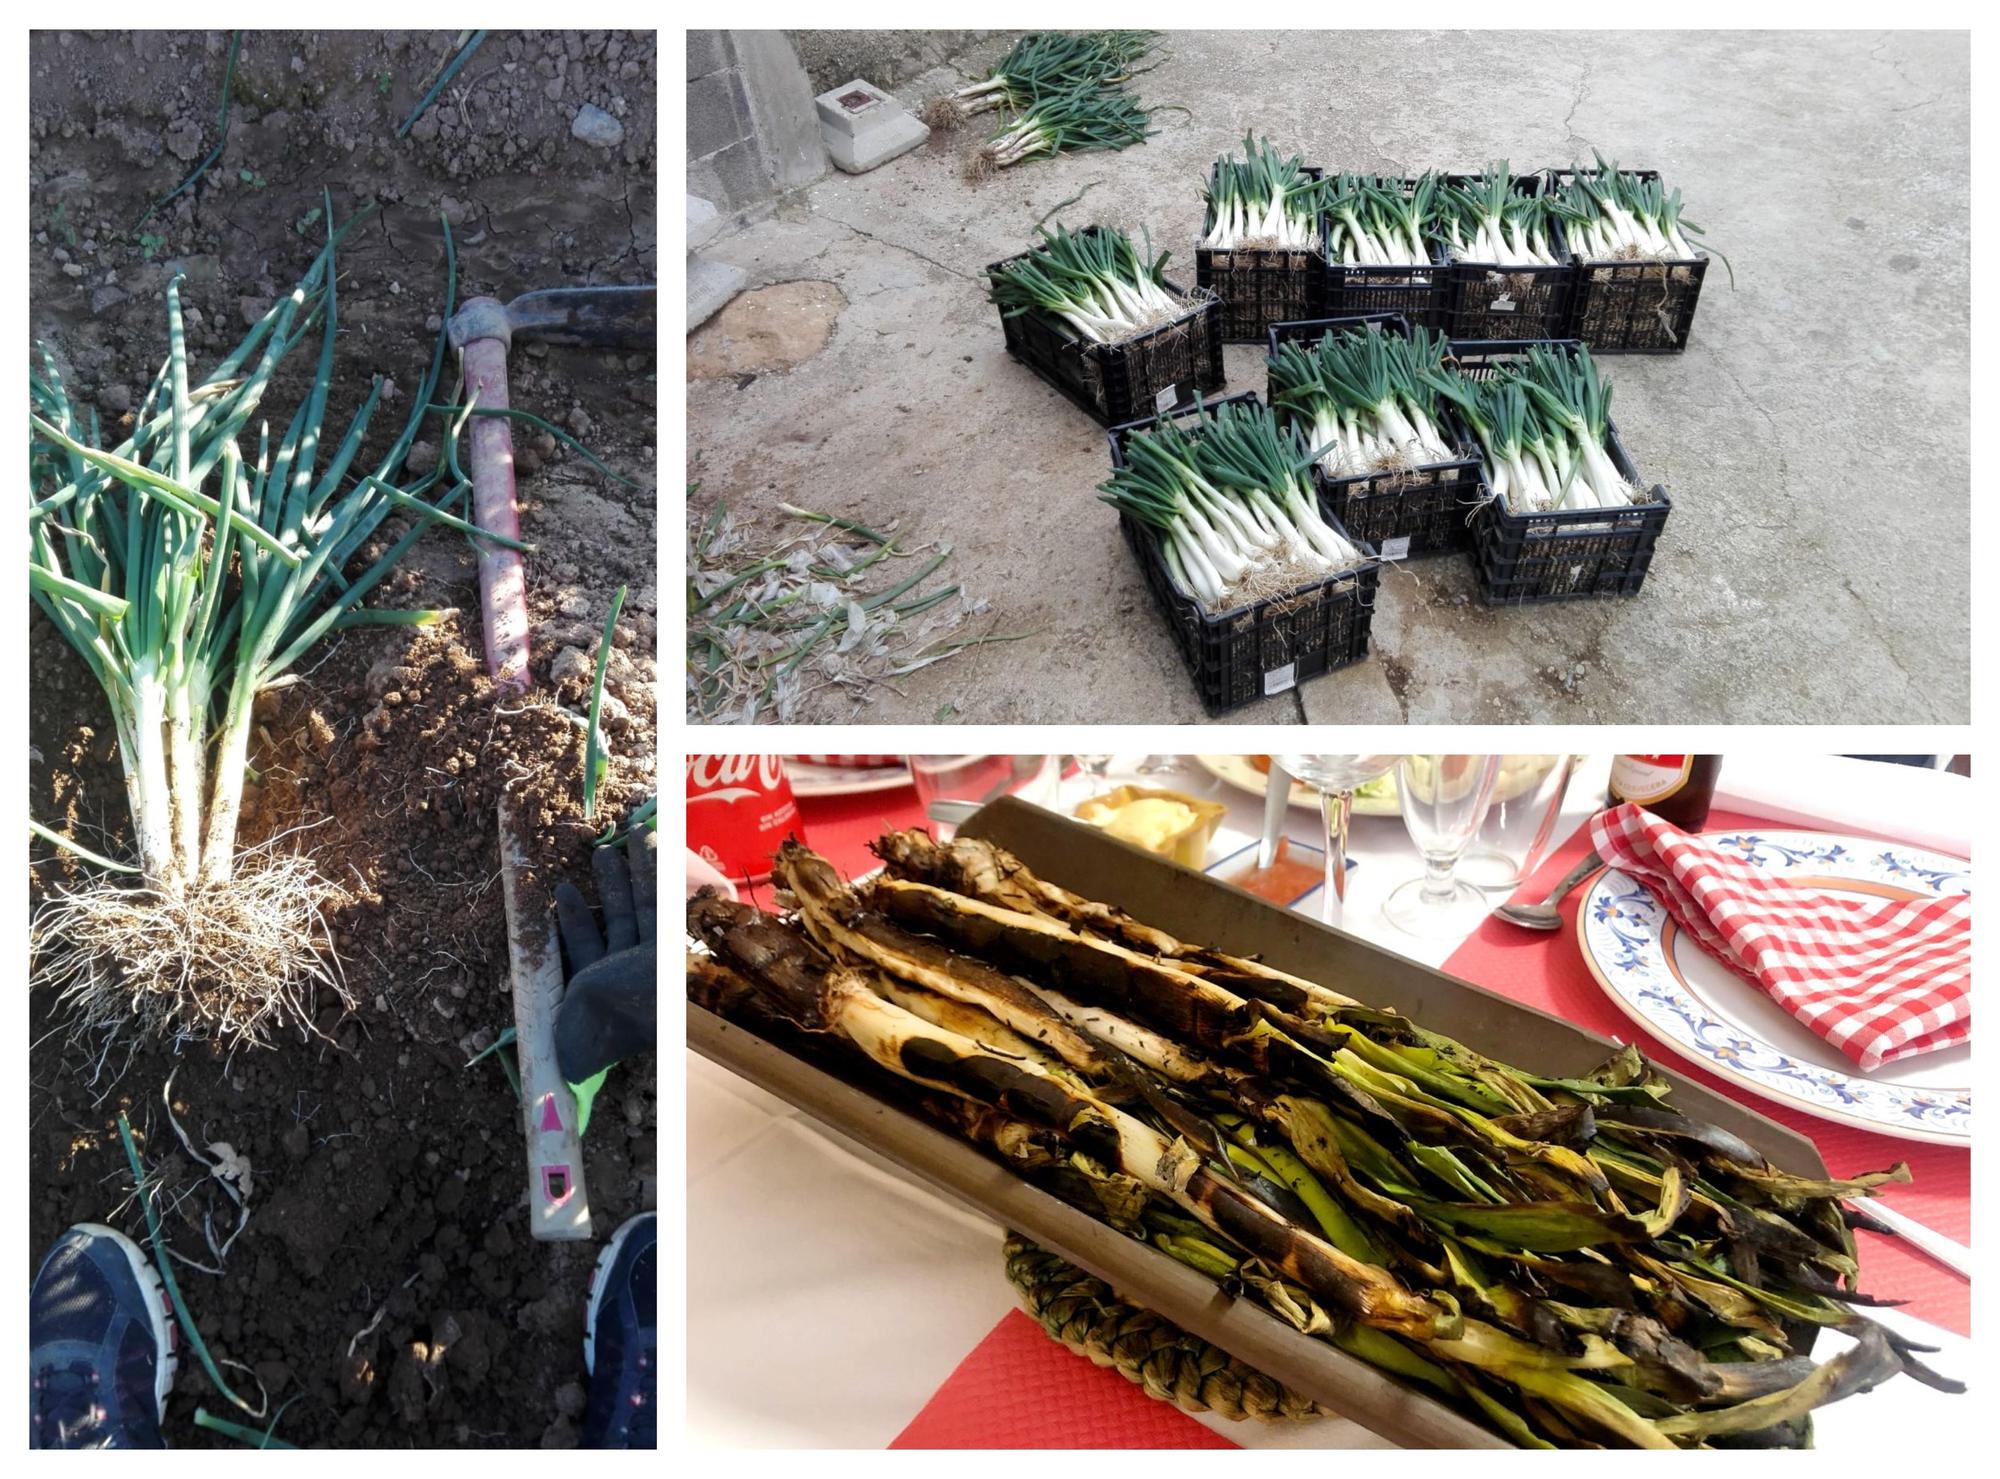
(1527, 802)
(978, 779)
(1096, 774)
(1334, 777)
(1444, 799)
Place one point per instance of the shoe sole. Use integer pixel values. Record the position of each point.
(159, 1310)
(602, 1272)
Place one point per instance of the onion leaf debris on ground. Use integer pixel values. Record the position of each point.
(829, 608)
(1568, 1260)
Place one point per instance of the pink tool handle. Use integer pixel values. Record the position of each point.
(503, 580)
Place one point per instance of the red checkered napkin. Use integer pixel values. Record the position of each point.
(1880, 980)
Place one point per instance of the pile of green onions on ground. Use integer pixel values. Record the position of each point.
(1229, 496)
(1365, 396)
(1262, 202)
(1074, 122)
(1566, 1260)
(191, 565)
(1065, 92)
(1610, 214)
(1043, 64)
(1543, 425)
(1377, 222)
(1492, 218)
(1094, 280)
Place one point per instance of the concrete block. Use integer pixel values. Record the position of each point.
(780, 107)
(703, 223)
(717, 113)
(864, 127)
(708, 51)
(740, 176)
(711, 285)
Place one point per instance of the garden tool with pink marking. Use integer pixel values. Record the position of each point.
(482, 331)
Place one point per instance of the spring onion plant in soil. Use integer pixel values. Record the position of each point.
(1230, 500)
(833, 608)
(1043, 64)
(1262, 202)
(1570, 1261)
(1377, 222)
(1543, 425)
(1491, 218)
(1094, 280)
(191, 565)
(1368, 398)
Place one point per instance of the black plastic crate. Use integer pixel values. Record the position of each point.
(1410, 513)
(1417, 293)
(1261, 287)
(1570, 554)
(1173, 365)
(1483, 301)
(1636, 305)
(1271, 645)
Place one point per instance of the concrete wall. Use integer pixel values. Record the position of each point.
(884, 58)
(751, 130)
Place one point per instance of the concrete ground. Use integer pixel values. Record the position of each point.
(1814, 437)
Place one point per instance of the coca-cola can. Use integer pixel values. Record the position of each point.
(739, 808)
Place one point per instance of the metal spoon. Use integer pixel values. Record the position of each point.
(1545, 915)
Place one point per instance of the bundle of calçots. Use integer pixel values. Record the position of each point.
(1543, 424)
(1095, 280)
(1066, 91)
(1569, 1261)
(1495, 218)
(1227, 491)
(1611, 214)
(1367, 400)
(1262, 202)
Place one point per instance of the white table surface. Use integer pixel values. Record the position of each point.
(828, 1297)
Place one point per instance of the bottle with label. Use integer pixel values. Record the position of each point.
(739, 808)
(1677, 788)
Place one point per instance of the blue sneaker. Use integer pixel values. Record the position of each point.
(621, 1342)
(100, 1345)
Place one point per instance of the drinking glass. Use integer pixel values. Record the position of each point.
(978, 779)
(1444, 799)
(1527, 800)
(1096, 774)
(1334, 777)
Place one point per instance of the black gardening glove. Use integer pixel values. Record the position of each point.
(610, 1009)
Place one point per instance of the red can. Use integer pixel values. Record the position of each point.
(739, 808)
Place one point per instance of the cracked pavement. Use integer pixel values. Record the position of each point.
(1814, 438)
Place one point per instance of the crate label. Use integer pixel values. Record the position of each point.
(1397, 548)
(1502, 304)
(1277, 680)
(1167, 399)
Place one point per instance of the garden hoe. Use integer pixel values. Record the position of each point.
(483, 330)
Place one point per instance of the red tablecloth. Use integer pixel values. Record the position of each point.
(1020, 1389)
(1075, 1405)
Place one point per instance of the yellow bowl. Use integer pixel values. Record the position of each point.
(1173, 825)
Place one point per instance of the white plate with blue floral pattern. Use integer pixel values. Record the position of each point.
(1669, 985)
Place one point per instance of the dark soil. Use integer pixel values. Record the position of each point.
(387, 1175)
